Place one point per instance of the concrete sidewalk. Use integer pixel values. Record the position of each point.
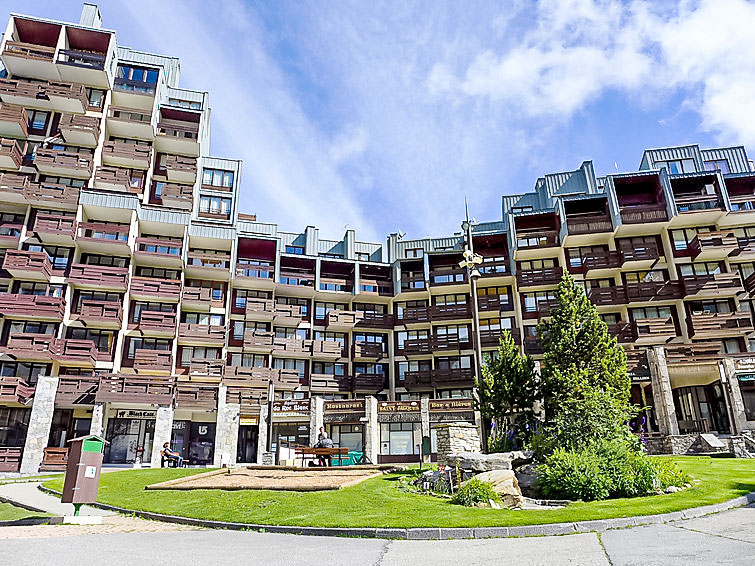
(28, 495)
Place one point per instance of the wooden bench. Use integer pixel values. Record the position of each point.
(54, 460)
(307, 452)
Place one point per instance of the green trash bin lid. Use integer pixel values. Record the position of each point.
(92, 445)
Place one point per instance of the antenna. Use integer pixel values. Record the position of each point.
(616, 165)
(466, 208)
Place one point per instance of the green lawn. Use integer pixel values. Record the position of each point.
(10, 512)
(378, 502)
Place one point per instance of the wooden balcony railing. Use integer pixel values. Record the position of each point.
(22, 261)
(78, 124)
(325, 348)
(639, 214)
(545, 276)
(156, 322)
(372, 382)
(450, 312)
(196, 295)
(343, 319)
(185, 131)
(416, 346)
(178, 196)
(588, 223)
(696, 203)
(446, 342)
(202, 333)
(603, 259)
(126, 388)
(654, 291)
(419, 378)
(12, 149)
(31, 306)
(136, 155)
(210, 367)
(527, 240)
(532, 345)
(77, 389)
(259, 340)
(14, 183)
(16, 115)
(198, 396)
(375, 320)
(45, 194)
(129, 115)
(179, 164)
(724, 242)
(29, 51)
(719, 283)
(369, 350)
(637, 252)
(71, 351)
(10, 458)
(491, 338)
(115, 179)
(291, 346)
(103, 232)
(158, 288)
(411, 315)
(15, 390)
(158, 247)
(623, 332)
(255, 271)
(655, 329)
(412, 282)
(204, 260)
(83, 59)
(712, 325)
(494, 267)
(500, 303)
(63, 226)
(285, 379)
(100, 312)
(287, 313)
(146, 361)
(265, 308)
(326, 382)
(701, 352)
(602, 296)
(450, 276)
(453, 376)
(98, 276)
(59, 161)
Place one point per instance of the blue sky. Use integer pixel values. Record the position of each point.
(382, 116)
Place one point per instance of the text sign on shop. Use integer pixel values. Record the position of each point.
(135, 414)
(348, 406)
(399, 412)
(451, 410)
(746, 365)
(291, 408)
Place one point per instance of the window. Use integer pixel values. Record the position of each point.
(67, 181)
(369, 307)
(702, 268)
(329, 368)
(215, 205)
(202, 318)
(651, 312)
(537, 264)
(405, 335)
(370, 338)
(21, 327)
(59, 256)
(95, 97)
(140, 306)
(200, 352)
(147, 344)
(103, 339)
(248, 360)
(682, 238)
(217, 289)
(339, 337)
(453, 332)
(496, 324)
(298, 365)
(520, 209)
(158, 273)
(454, 394)
(241, 295)
(450, 300)
(43, 289)
(110, 261)
(411, 306)
(400, 439)
(303, 303)
(297, 250)
(447, 274)
(709, 307)
(677, 166)
(658, 275)
(414, 252)
(533, 300)
(101, 296)
(718, 165)
(217, 178)
(290, 333)
(321, 309)
(362, 256)
(132, 77)
(453, 363)
(28, 372)
(37, 121)
(412, 366)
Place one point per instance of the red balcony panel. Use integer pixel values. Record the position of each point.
(32, 306)
(15, 390)
(63, 227)
(101, 312)
(126, 388)
(202, 333)
(460, 376)
(197, 396)
(159, 289)
(654, 291)
(545, 276)
(50, 194)
(22, 263)
(375, 320)
(640, 214)
(156, 322)
(77, 389)
(98, 276)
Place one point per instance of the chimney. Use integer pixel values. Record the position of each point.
(90, 16)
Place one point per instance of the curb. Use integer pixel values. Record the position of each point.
(440, 533)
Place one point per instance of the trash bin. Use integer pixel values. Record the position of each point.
(83, 470)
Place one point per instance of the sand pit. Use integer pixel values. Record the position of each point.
(278, 478)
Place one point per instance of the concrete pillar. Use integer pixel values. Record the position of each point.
(730, 385)
(163, 432)
(226, 430)
(262, 434)
(424, 407)
(40, 422)
(662, 396)
(371, 429)
(316, 420)
(98, 420)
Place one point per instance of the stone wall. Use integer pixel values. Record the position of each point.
(454, 438)
(40, 422)
(672, 444)
(226, 431)
(163, 431)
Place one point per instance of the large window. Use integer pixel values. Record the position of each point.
(202, 318)
(248, 360)
(33, 327)
(27, 371)
(59, 256)
(400, 439)
(677, 166)
(215, 205)
(718, 165)
(701, 268)
(13, 425)
(147, 344)
(217, 178)
(298, 365)
(103, 339)
(321, 309)
(201, 352)
(682, 238)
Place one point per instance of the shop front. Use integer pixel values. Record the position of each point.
(344, 422)
(195, 441)
(246, 447)
(448, 411)
(14, 422)
(290, 424)
(400, 431)
(129, 433)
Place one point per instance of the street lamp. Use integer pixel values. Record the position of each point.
(471, 261)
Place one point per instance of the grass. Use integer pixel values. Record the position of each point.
(10, 512)
(379, 503)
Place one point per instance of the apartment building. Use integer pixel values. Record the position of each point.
(138, 303)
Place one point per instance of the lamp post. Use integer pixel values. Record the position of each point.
(470, 262)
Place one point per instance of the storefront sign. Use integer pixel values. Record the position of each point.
(451, 410)
(247, 420)
(347, 411)
(291, 408)
(399, 412)
(135, 414)
(746, 378)
(745, 365)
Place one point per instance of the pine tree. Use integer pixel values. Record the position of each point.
(506, 395)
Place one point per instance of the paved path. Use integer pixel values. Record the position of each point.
(724, 538)
(28, 494)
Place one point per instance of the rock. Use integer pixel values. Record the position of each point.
(526, 476)
(494, 504)
(672, 489)
(476, 462)
(504, 483)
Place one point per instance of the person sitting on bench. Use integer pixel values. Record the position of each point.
(324, 442)
(171, 456)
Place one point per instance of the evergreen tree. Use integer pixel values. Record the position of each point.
(506, 395)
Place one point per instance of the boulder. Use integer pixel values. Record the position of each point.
(526, 476)
(476, 462)
(504, 483)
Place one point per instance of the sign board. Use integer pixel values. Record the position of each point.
(291, 408)
(745, 365)
(249, 420)
(451, 410)
(746, 378)
(399, 412)
(135, 414)
(346, 411)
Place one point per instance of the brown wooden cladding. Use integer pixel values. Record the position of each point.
(10, 458)
(718, 324)
(98, 276)
(202, 333)
(545, 276)
(10, 148)
(45, 194)
(116, 179)
(655, 329)
(640, 214)
(125, 388)
(22, 260)
(343, 318)
(615, 295)
(258, 376)
(724, 240)
(207, 366)
(82, 124)
(77, 389)
(64, 226)
(325, 382)
(156, 322)
(654, 291)
(178, 196)
(140, 154)
(157, 288)
(15, 390)
(59, 161)
(146, 361)
(12, 114)
(369, 350)
(375, 320)
(712, 284)
(199, 396)
(588, 224)
(31, 306)
(46, 348)
(100, 312)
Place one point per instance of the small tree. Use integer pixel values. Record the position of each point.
(584, 373)
(506, 395)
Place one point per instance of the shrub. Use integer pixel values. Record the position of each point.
(569, 474)
(669, 474)
(475, 491)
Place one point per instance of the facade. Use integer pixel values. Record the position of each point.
(137, 302)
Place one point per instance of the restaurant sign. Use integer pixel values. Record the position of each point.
(399, 412)
(346, 411)
(135, 414)
(451, 410)
(291, 408)
(744, 365)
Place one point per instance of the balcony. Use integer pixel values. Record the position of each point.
(57, 196)
(10, 234)
(490, 338)
(177, 196)
(283, 379)
(197, 396)
(147, 288)
(54, 228)
(651, 291)
(327, 383)
(654, 330)
(199, 298)
(326, 349)
(180, 169)
(255, 275)
(600, 260)
(369, 350)
(623, 332)
(177, 137)
(201, 335)
(31, 347)
(448, 276)
(713, 286)
(539, 277)
(36, 307)
(375, 320)
(158, 251)
(494, 267)
(13, 121)
(80, 130)
(58, 162)
(130, 93)
(11, 153)
(20, 92)
(707, 246)
(70, 352)
(412, 282)
(342, 320)
(15, 390)
(292, 347)
(414, 315)
(155, 323)
(125, 154)
(696, 202)
(262, 310)
(28, 265)
(100, 314)
(536, 239)
(494, 303)
(698, 353)
(102, 237)
(86, 67)
(115, 179)
(607, 296)
(639, 256)
(77, 390)
(98, 277)
(588, 224)
(152, 361)
(203, 265)
(207, 367)
(450, 312)
(419, 378)
(369, 382)
(719, 325)
(30, 59)
(642, 213)
(130, 123)
(416, 346)
(335, 285)
(451, 342)
(10, 458)
(375, 288)
(13, 187)
(532, 346)
(456, 376)
(258, 341)
(126, 388)
(249, 395)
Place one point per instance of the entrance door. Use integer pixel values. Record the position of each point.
(129, 439)
(247, 444)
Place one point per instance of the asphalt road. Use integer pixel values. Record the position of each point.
(725, 538)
